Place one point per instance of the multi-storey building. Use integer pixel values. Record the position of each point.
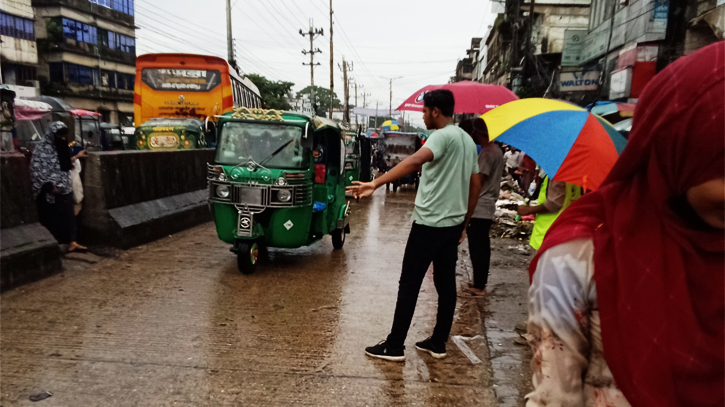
(18, 49)
(466, 66)
(87, 54)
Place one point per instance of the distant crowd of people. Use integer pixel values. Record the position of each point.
(627, 297)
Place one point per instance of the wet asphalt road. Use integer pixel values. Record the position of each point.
(173, 323)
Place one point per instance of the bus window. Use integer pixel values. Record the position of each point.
(235, 94)
(189, 80)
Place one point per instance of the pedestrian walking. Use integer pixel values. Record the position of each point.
(626, 305)
(443, 207)
(554, 198)
(512, 157)
(52, 186)
(491, 165)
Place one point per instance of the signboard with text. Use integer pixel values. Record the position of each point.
(621, 84)
(578, 81)
(573, 43)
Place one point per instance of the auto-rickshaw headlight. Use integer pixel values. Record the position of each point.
(284, 195)
(222, 191)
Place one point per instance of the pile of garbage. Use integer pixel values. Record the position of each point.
(506, 222)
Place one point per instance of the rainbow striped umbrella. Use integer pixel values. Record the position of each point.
(568, 142)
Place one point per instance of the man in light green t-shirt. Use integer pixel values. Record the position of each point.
(446, 199)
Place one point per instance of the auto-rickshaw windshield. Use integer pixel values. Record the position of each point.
(271, 145)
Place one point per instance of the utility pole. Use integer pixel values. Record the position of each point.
(356, 123)
(514, 63)
(365, 105)
(312, 33)
(346, 66)
(603, 76)
(332, 65)
(530, 38)
(390, 112)
(376, 113)
(230, 41)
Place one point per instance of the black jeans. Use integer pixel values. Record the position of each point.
(479, 245)
(427, 245)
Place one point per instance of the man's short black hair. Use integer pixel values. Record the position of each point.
(479, 125)
(442, 99)
(467, 126)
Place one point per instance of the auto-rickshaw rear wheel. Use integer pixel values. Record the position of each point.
(338, 238)
(247, 257)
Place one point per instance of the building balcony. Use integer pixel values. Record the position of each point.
(86, 6)
(58, 45)
(87, 91)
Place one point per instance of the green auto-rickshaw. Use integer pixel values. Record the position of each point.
(358, 160)
(277, 181)
(170, 134)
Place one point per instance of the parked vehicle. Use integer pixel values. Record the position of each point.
(114, 137)
(277, 181)
(85, 125)
(399, 146)
(170, 134)
(31, 120)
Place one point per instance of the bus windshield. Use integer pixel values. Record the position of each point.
(269, 145)
(189, 80)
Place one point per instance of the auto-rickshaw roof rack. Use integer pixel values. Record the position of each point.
(258, 114)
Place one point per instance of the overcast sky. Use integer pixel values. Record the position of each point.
(418, 40)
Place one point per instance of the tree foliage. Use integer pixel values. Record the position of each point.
(322, 99)
(274, 93)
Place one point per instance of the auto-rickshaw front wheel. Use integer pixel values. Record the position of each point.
(247, 257)
(338, 238)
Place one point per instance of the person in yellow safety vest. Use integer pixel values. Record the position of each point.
(554, 197)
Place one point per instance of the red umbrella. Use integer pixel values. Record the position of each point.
(81, 112)
(471, 97)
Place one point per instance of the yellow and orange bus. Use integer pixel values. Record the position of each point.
(188, 86)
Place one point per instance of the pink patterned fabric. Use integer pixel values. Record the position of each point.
(660, 283)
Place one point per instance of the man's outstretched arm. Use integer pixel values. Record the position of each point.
(410, 164)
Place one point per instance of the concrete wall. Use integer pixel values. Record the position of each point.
(13, 49)
(28, 252)
(133, 197)
(20, 8)
(17, 206)
(19, 51)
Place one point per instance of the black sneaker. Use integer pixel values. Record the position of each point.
(383, 351)
(437, 351)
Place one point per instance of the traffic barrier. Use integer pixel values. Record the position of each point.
(134, 197)
(28, 252)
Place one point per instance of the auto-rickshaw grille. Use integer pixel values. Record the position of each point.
(295, 178)
(250, 195)
(303, 195)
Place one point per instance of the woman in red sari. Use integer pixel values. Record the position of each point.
(627, 302)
